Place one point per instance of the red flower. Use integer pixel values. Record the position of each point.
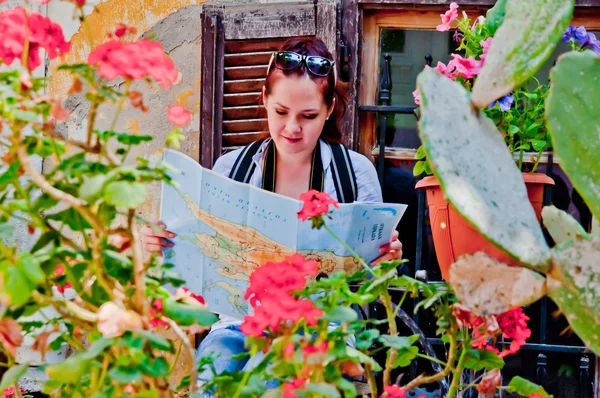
(134, 60)
(315, 349)
(60, 271)
(43, 33)
(10, 391)
(535, 396)
(393, 392)
(184, 294)
(123, 29)
(514, 326)
(178, 115)
(289, 387)
(155, 313)
(288, 350)
(270, 294)
(315, 204)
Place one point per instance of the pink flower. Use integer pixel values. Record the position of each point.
(467, 67)
(485, 45)
(417, 97)
(155, 313)
(43, 33)
(288, 351)
(289, 387)
(113, 321)
(535, 396)
(448, 17)
(135, 60)
(188, 297)
(178, 115)
(123, 29)
(393, 391)
(447, 70)
(514, 326)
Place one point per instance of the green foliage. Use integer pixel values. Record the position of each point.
(482, 359)
(526, 388)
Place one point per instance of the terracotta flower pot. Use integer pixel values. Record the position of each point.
(454, 236)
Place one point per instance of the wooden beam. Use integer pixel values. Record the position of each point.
(349, 37)
(212, 66)
(366, 4)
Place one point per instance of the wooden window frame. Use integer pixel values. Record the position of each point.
(377, 15)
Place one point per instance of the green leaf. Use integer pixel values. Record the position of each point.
(323, 389)
(125, 375)
(17, 285)
(488, 286)
(404, 357)
(92, 186)
(341, 314)
(538, 145)
(573, 285)
(157, 341)
(527, 37)
(365, 339)
(72, 218)
(125, 194)
(561, 225)
(495, 16)
(477, 172)
(158, 367)
(31, 268)
(45, 239)
(573, 124)
(420, 155)
(419, 168)
(70, 370)
(12, 375)
(398, 342)
(482, 359)
(526, 388)
(188, 314)
(362, 358)
(132, 139)
(7, 230)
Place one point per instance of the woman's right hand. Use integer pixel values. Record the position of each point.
(154, 240)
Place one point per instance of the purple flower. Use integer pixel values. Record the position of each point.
(591, 42)
(505, 103)
(577, 34)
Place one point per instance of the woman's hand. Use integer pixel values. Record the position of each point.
(155, 240)
(392, 250)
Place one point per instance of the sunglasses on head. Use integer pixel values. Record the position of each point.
(287, 60)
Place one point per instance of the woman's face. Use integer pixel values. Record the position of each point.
(296, 113)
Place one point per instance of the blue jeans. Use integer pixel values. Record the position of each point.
(223, 344)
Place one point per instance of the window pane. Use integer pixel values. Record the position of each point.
(408, 49)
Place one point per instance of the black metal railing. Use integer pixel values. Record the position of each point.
(422, 270)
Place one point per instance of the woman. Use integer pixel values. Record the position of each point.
(304, 105)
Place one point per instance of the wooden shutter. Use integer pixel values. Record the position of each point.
(237, 43)
(245, 68)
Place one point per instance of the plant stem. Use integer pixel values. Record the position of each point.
(77, 204)
(537, 160)
(371, 380)
(447, 369)
(138, 266)
(175, 359)
(432, 359)
(457, 373)
(387, 373)
(246, 376)
(186, 341)
(352, 252)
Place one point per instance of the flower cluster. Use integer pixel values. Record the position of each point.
(178, 115)
(22, 32)
(580, 39)
(511, 325)
(134, 60)
(270, 295)
(315, 205)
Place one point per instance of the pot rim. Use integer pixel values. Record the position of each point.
(529, 178)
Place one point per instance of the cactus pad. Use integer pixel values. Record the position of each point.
(527, 37)
(574, 284)
(488, 286)
(574, 122)
(561, 225)
(476, 171)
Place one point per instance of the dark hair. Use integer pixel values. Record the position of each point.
(330, 90)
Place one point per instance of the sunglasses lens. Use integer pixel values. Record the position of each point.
(318, 65)
(287, 60)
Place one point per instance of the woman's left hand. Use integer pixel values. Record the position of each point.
(392, 250)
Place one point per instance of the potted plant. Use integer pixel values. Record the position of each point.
(520, 117)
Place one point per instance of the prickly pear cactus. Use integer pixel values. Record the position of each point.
(488, 286)
(561, 225)
(527, 37)
(574, 284)
(574, 122)
(476, 171)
